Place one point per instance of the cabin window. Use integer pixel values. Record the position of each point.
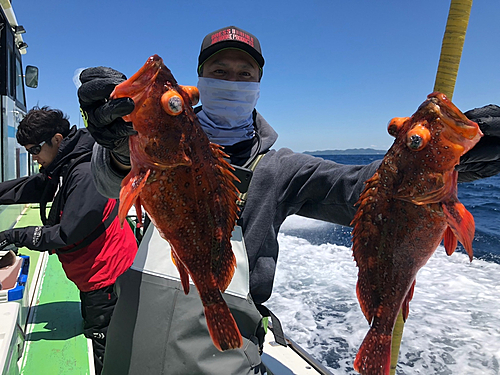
(19, 83)
(10, 87)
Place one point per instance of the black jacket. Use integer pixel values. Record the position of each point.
(68, 184)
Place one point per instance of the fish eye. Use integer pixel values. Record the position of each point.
(172, 103)
(415, 142)
(417, 138)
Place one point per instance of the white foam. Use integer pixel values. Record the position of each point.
(454, 322)
(299, 222)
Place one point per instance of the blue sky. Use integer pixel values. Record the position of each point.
(336, 71)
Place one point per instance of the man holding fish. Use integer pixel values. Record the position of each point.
(160, 325)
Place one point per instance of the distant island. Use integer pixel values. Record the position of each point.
(349, 151)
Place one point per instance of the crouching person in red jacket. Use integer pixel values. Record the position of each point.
(82, 227)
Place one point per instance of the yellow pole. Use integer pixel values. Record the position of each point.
(451, 53)
(451, 49)
(397, 335)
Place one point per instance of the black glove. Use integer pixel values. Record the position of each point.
(484, 159)
(103, 117)
(5, 239)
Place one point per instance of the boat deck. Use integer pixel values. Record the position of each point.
(55, 343)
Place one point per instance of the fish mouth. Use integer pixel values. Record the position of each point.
(138, 86)
(453, 117)
(460, 130)
(146, 75)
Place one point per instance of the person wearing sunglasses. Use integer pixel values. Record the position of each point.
(82, 226)
(47, 155)
(35, 150)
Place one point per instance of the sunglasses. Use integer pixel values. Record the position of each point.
(35, 150)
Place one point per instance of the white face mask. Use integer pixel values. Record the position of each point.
(226, 115)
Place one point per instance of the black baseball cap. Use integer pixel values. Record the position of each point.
(230, 37)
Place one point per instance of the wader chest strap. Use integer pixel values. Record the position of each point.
(243, 197)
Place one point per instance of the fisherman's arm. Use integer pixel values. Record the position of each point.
(320, 189)
(484, 159)
(23, 190)
(107, 177)
(82, 213)
(103, 117)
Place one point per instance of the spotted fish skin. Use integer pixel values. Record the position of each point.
(186, 187)
(405, 210)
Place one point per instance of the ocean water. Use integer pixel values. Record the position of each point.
(454, 321)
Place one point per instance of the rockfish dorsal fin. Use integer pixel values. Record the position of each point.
(366, 256)
(223, 259)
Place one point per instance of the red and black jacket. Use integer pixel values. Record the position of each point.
(82, 226)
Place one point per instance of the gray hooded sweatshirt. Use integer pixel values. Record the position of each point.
(284, 183)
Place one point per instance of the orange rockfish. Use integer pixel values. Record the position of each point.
(185, 186)
(404, 212)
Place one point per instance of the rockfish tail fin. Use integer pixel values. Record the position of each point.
(461, 224)
(374, 355)
(131, 187)
(221, 324)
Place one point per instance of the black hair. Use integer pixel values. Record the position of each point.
(41, 124)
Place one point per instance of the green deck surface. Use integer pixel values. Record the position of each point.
(55, 343)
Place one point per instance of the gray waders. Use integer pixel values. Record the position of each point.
(157, 329)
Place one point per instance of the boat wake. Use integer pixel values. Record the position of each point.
(453, 323)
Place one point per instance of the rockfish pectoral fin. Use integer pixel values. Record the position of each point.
(138, 212)
(367, 259)
(225, 211)
(437, 190)
(461, 223)
(173, 154)
(450, 241)
(131, 187)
